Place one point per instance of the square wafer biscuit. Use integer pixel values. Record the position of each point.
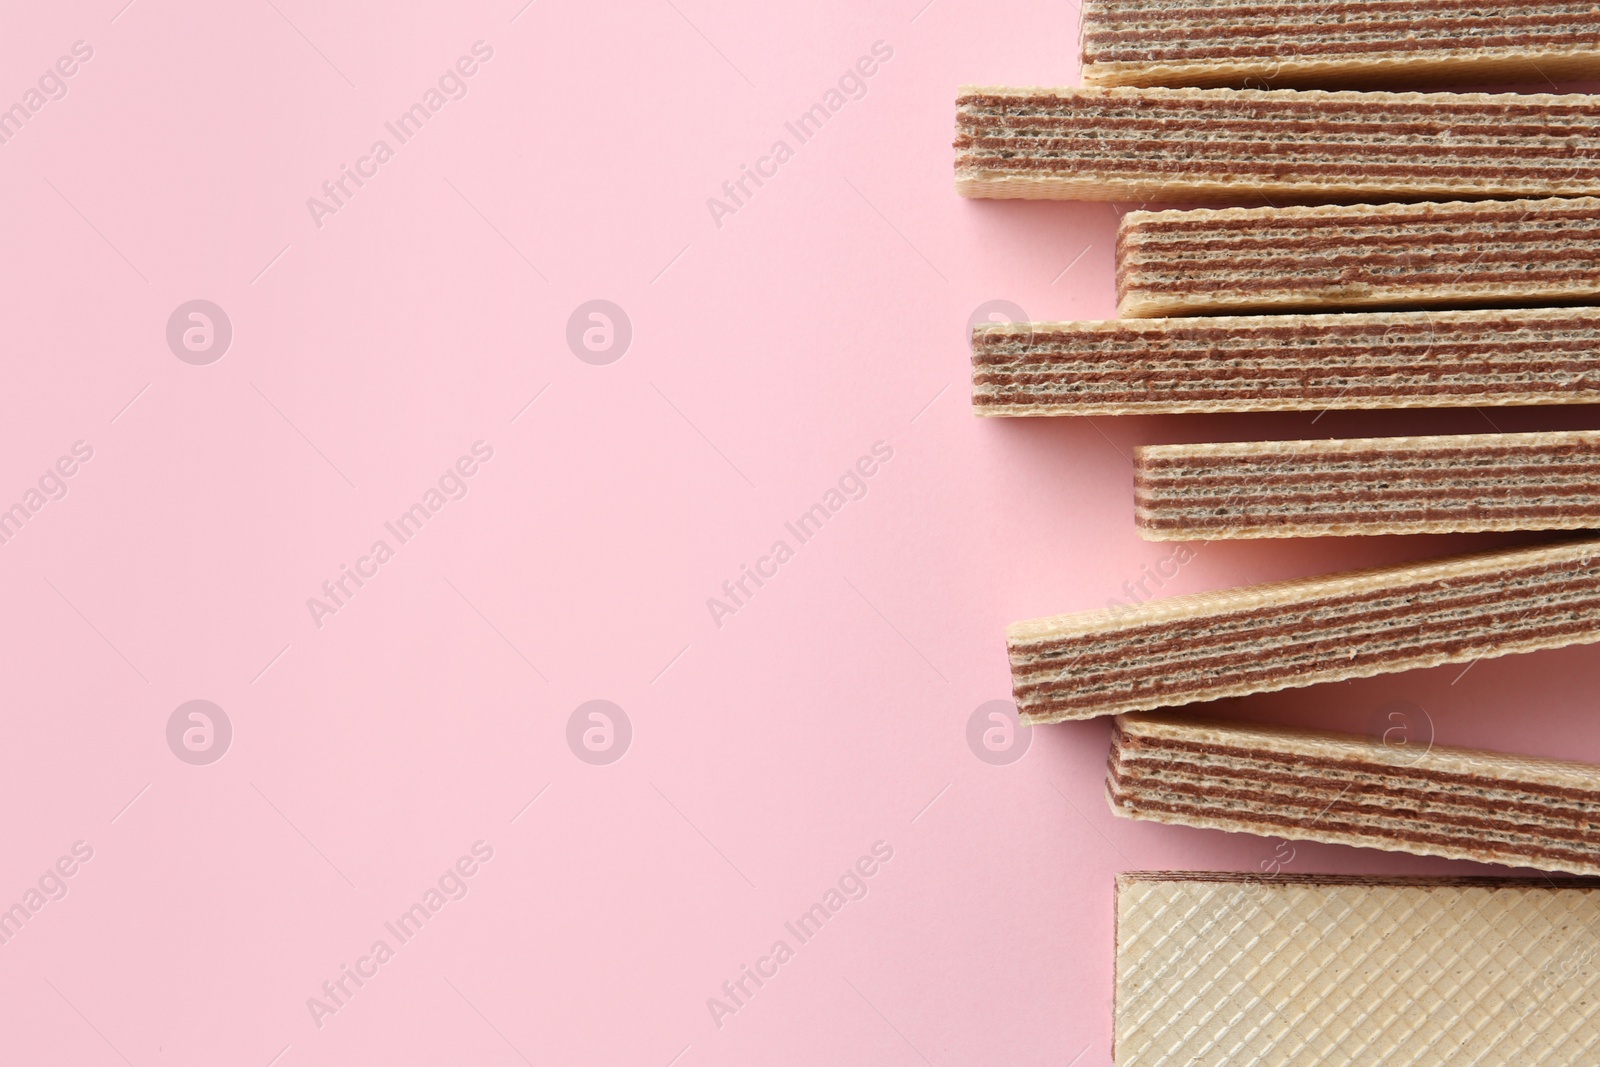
(1287, 362)
(1459, 483)
(1219, 970)
(1314, 44)
(1403, 796)
(1257, 639)
(1332, 258)
(1230, 145)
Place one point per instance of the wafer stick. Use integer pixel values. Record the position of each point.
(1314, 43)
(1363, 256)
(1287, 362)
(1348, 790)
(1231, 145)
(1379, 485)
(1257, 639)
(1215, 969)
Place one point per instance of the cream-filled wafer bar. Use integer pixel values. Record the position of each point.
(1354, 43)
(1257, 639)
(1459, 483)
(1287, 362)
(1233, 145)
(1401, 794)
(1216, 969)
(1355, 257)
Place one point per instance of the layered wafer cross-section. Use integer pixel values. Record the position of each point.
(1206, 646)
(1397, 793)
(1287, 362)
(1241, 144)
(1215, 970)
(1311, 43)
(1381, 485)
(1338, 257)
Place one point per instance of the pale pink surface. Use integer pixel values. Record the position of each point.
(768, 354)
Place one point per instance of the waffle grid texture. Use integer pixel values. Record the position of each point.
(1340, 973)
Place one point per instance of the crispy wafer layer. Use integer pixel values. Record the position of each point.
(1381, 485)
(1216, 969)
(1231, 145)
(1312, 43)
(1257, 639)
(1405, 796)
(1287, 362)
(1361, 256)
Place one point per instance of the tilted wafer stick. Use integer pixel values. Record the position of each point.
(1314, 43)
(1217, 969)
(1361, 256)
(1257, 639)
(1232, 145)
(1347, 790)
(1287, 362)
(1378, 485)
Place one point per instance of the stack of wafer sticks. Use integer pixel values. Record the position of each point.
(1417, 249)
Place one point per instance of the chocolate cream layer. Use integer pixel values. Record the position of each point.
(1343, 789)
(1206, 646)
(1442, 484)
(1287, 362)
(1311, 43)
(1510, 253)
(1231, 145)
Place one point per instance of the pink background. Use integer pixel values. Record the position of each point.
(768, 354)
